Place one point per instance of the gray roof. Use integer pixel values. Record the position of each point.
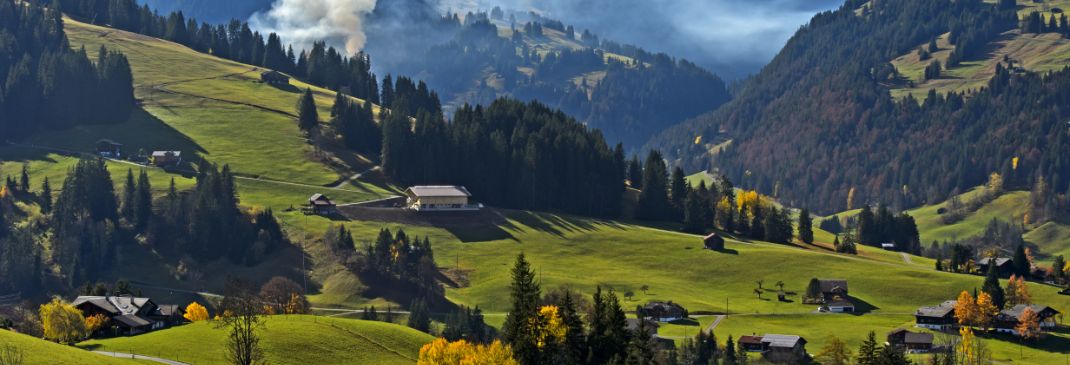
(917, 338)
(830, 285)
(1016, 311)
(999, 261)
(785, 341)
(938, 311)
(439, 191)
(164, 153)
(116, 305)
(132, 320)
(170, 310)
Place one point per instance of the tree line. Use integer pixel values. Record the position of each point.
(322, 66)
(47, 85)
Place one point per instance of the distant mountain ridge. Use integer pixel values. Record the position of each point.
(819, 128)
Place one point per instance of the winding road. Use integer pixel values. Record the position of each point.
(122, 355)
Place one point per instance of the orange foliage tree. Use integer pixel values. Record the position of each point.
(1029, 324)
(965, 309)
(195, 312)
(461, 352)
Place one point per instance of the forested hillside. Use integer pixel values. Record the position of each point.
(624, 91)
(819, 128)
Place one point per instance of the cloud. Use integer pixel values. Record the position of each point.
(302, 22)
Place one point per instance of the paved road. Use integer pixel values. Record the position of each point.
(140, 357)
(712, 326)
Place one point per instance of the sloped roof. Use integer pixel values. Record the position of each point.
(1000, 261)
(165, 153)
(750, 340)
(1016, 311)
(831, 285)
(785, 341)
(132, 320)
(115, 305)
(438, 191)
(918, 338)
(937, 311)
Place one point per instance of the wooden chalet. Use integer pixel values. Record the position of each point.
(1007, 320)
(663, 311)
(274, 78)
(939, 317)
(166, 158)
(321, 204)
(777, 349)
(1004, 266)
(439, 198)
(911, 342)
(129, 315)
(109, 148)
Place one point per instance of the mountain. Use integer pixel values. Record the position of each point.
(819, 126)
(624, 91)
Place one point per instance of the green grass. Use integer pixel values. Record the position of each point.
(38, 351)
(285, 339)
(1010, 206)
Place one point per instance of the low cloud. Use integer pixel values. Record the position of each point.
(302, 22)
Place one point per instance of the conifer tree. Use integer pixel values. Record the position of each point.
(729, 352)
(869, 351)
(678, 190)
(143, 201)
(24, 180)
(46, 196)
(307, 116)
(992, 287)
(654, 199)
(520, 327)
(575, 342)
(1022, 265)
(129, 195)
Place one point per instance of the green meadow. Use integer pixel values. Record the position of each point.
(37, 351)
(321, 340)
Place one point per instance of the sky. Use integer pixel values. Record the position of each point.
(730, 37)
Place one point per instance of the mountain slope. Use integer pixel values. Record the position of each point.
(818, 124)
(38, 351)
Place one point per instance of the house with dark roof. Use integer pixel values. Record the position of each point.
(778, 349)
(129, 315)
(322, 205)
(274, 78)
(663, 311)
(650, 326)
(751, 343)
(109, 148)
(1004, 266)
(911, 342)
(166, 158)
(1008, 319)
(834, 296)
(439, 198)
(939, 317)
(713, 241)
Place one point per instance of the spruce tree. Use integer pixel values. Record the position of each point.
(307, 116)
(654, 198)
(729, 352)
(24, 180)
(46, 196)
(143, 201)
(1021, 262)
(991, 286)
(419, 316)
(575, 343)
(129, 194)
(678, 191)
(869, 351)
(806, 226)
(519, 329)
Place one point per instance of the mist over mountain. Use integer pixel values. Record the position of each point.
(731, 37)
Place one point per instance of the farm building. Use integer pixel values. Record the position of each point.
(778, 349)
(439, 198)
(940, 317)
(912, 342)
(713, 241)
(274, 78)
(888, 246)
(1004, 266)
(129, 315)
(832, 294)
(109, 148)
(1007, 319)
(166, 158)
(663, 311)
(321, 204)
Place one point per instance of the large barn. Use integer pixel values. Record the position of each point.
(439, 198)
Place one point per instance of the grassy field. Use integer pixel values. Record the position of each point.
(322, 340)
(38, 351)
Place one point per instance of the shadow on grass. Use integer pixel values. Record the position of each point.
(861, 306)
(685, 322)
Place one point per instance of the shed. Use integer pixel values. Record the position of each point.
(274, 78)
(713, 241)
(321, 204)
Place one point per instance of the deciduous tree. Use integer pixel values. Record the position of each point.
(62, 322)
(195, 312)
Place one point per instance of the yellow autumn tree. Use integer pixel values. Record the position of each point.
(1021, 292)
(195, 312)
(971, 350)
(986, 311)
(1029, 324)
(850, 198)
(461, 352)
(95, 323)
(62, 322)
(550, 327)
(965, 309)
